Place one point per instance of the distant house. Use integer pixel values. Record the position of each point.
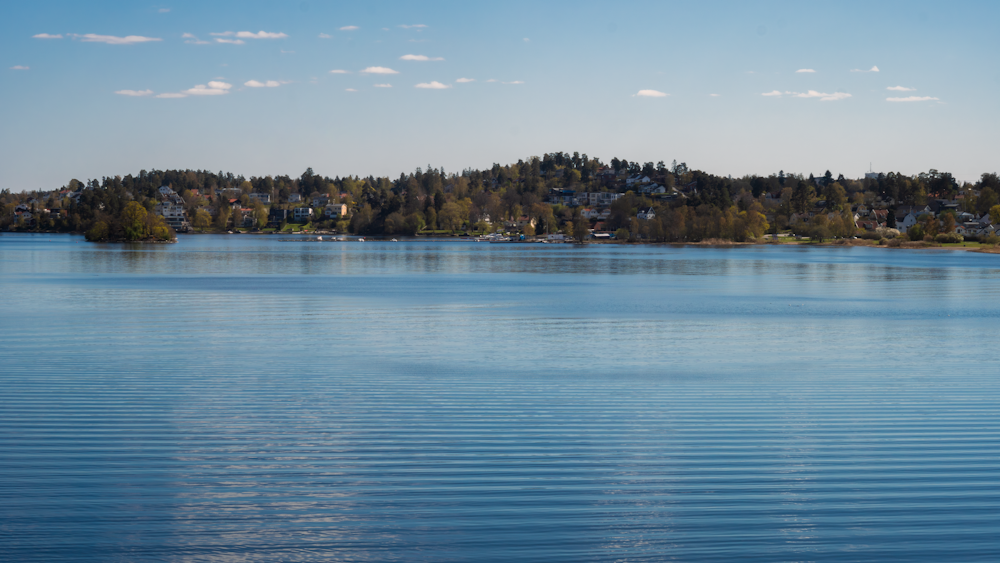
(173, 214)
(260, 198)
(637, 179)
(335, 210)
(646, 213)
(589, 213)
(302, 214)
(295, 198)
(166, 191)
(555, 237)
(277, 216)
(320, 201)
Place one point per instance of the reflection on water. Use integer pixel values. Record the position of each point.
(245, 398)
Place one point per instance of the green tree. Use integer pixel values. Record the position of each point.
(98, 232)
(202, 219)
(134, 221)
(995, 214)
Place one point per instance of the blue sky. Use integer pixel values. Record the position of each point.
(218, 94)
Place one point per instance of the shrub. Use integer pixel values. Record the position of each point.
(916, 232)
(98, 232)
(991, 239)
(885, 232)
(895, 243)
(949, 238)
(621, 234)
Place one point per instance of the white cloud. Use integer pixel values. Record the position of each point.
(214, 88)
(515, 82)
(419, 58)
(433, 85)
(20, 67)
(379, 70)
(249, 35)
(260, 35)
(900, 89)
(492, 80)
(325, 36)
(113, 40)
(526, 40)
(912, 99)
(872, 69)
(713, 95)
(383, 85)
(651, 94)
(823, 97)
(464, 80)
(350, 90)
(190, 38)
(414, 26)
(164, 10)
(349, 28)
(46, 36)
(171, 95)
(805, 70)
(230, 41)
(135, 93)
(340, 71)
(256, 84)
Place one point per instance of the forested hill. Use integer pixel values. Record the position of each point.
(549, 193)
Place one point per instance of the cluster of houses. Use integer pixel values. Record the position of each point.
(870, 218)
(171, 208)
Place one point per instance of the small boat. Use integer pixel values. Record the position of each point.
(393, 240)
(361, 239)
(319, 238)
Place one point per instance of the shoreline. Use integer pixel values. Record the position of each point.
(711, 243)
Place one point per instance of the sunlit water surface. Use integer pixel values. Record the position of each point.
(245, 398)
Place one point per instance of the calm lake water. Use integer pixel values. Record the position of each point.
(245, 398)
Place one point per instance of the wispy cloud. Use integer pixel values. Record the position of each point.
(433, 85)
(190, 38)
(651, 94)
(526, 40)
(171, 95)
(214, 88)
(383, 85)
(379, 70)
(806, 70)
(492, 80)
(515, 82)
(464, 80)
(230, 41)
(413, 26)
(913, 99)
(46, 36)
(164, 10)
(134, 93)
(20, 67)
(256, 84)
(251, 35)
(900, 89)
(714, 95)
(419, 58)
(113, 40)
(872, 69)
(349, 28)
(325, 36)
(350, 90)
(823, 97)
(339, 71)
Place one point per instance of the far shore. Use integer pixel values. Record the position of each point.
(711, 243)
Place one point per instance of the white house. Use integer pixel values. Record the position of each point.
(646, 213)
(294, 198)
(262, 198)
(302, 214)
(173, 214)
